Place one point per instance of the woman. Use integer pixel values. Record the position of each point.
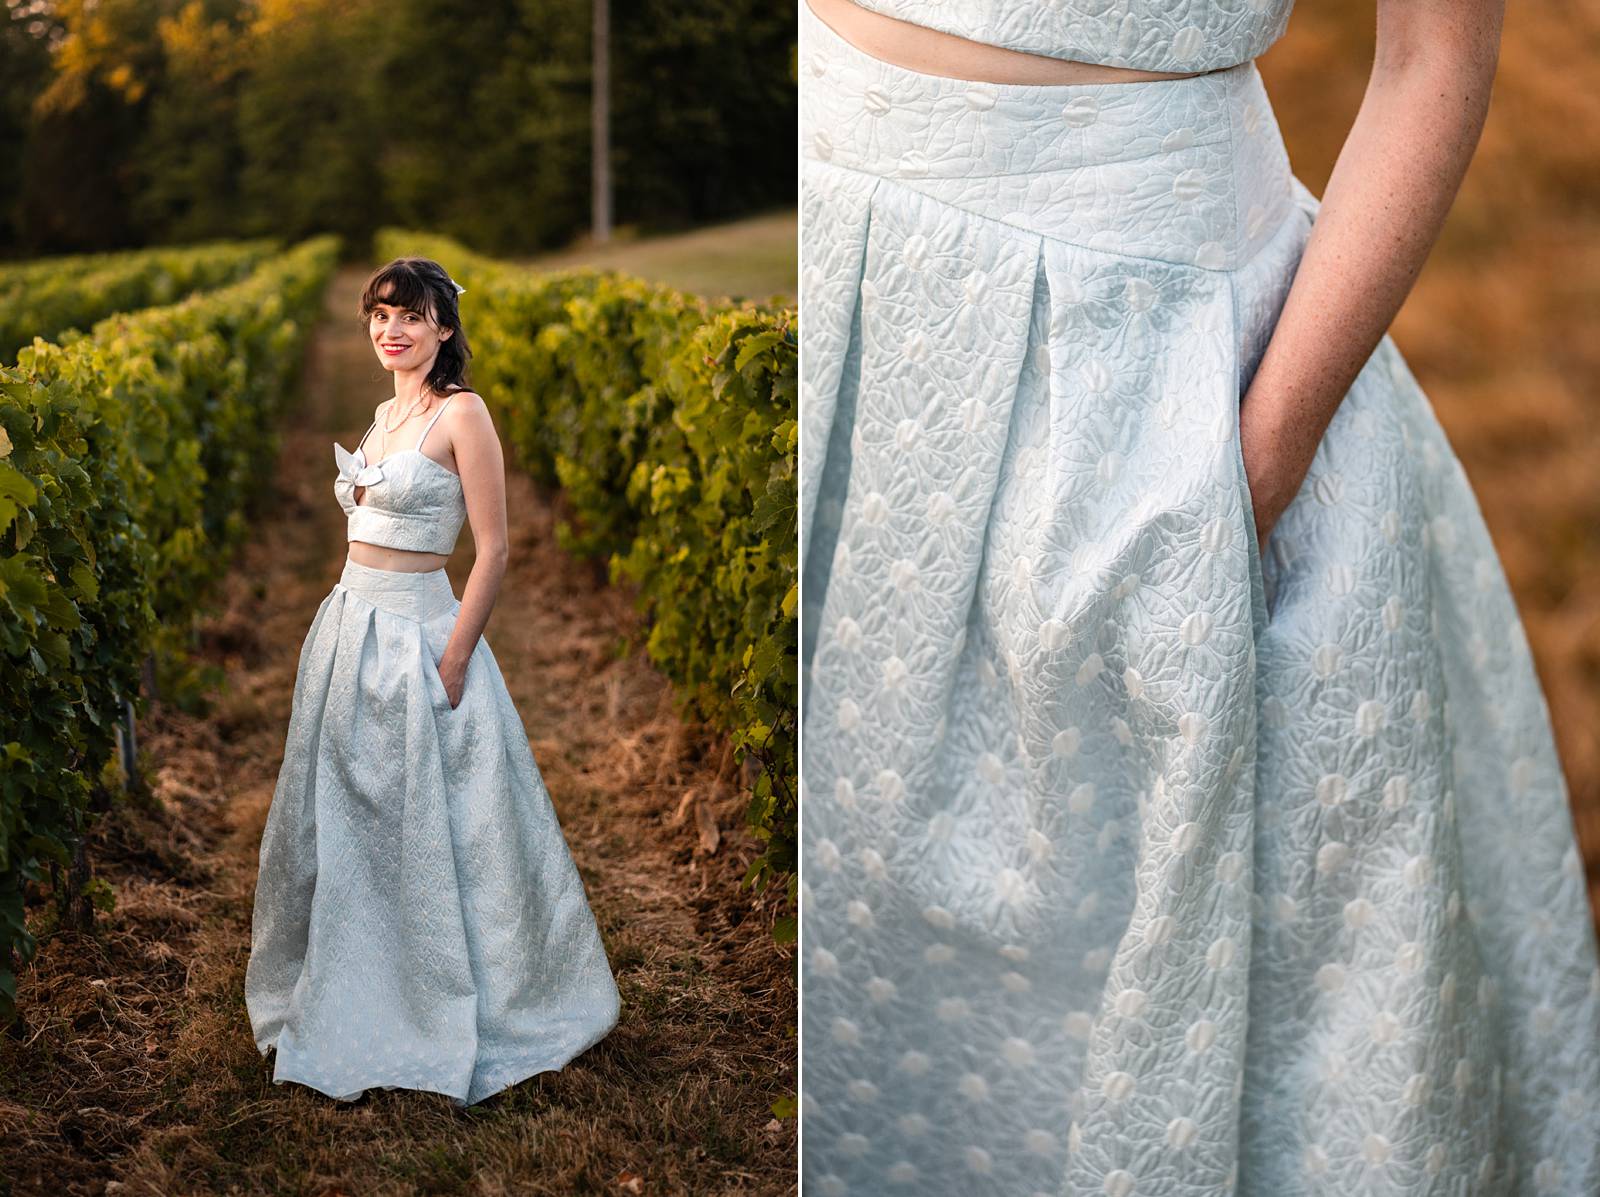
(1181, 813)
(419, 922)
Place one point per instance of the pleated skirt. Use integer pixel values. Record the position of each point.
(419, 922)
(1135, 863)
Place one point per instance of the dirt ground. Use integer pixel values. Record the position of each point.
(135, 1073)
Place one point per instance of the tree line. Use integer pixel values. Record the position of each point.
(146, 122)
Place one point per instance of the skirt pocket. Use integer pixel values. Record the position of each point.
(436, 634)
(1258, 591)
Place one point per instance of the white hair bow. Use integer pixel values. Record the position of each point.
(460, 290)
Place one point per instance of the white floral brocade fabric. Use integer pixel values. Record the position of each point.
(1137, 863)
(409, 500)
(1150, 35)
(419, 922)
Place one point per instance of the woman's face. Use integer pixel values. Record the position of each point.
(404, 340)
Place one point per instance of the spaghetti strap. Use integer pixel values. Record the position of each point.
(371, 426)
(435, 419)
(365, 435)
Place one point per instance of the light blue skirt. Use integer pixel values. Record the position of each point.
(419, 922)
(1135, 864)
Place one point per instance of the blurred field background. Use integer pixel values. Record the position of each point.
(1500, 329)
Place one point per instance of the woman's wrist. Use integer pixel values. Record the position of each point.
(477, 601)
(1278, 443)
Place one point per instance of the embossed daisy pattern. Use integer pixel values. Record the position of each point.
(1136, 864)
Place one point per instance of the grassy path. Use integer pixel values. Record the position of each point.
(757, 257)
(135, 1072)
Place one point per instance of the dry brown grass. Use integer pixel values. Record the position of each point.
(756, 257)
(135, 1072)
(1500, 328)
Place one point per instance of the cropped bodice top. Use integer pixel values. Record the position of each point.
(1149, 35)
(410, 501)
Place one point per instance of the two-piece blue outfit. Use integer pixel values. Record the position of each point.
(419, 922)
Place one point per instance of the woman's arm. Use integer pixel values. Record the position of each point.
(483, 483)
(1395, 179)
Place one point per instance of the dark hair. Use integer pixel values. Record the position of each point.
(423, 285)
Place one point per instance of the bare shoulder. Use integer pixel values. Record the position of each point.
(467, 413)
(468, 427)
(466, 401)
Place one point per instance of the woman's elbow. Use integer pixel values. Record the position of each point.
(1460, 42)
(493, 552)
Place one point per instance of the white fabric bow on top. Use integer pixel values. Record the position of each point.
(351, 472)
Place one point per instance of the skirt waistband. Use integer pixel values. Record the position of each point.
(1191, 171)
(421, 595)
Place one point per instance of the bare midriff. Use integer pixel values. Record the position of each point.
(377, 556)
(933, 52)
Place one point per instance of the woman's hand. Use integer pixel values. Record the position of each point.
(1275, 465)
(453, 673)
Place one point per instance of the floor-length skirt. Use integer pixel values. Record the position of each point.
(419, 922)
(1135, 864)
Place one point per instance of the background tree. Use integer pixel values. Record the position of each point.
(160, 121)
(307, 130)
(24, 73)
(189, 154)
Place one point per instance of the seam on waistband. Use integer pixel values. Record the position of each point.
(408, 616)
(984, 216)
(1035, 174)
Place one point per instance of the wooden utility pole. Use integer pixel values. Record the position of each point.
(600, 117)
